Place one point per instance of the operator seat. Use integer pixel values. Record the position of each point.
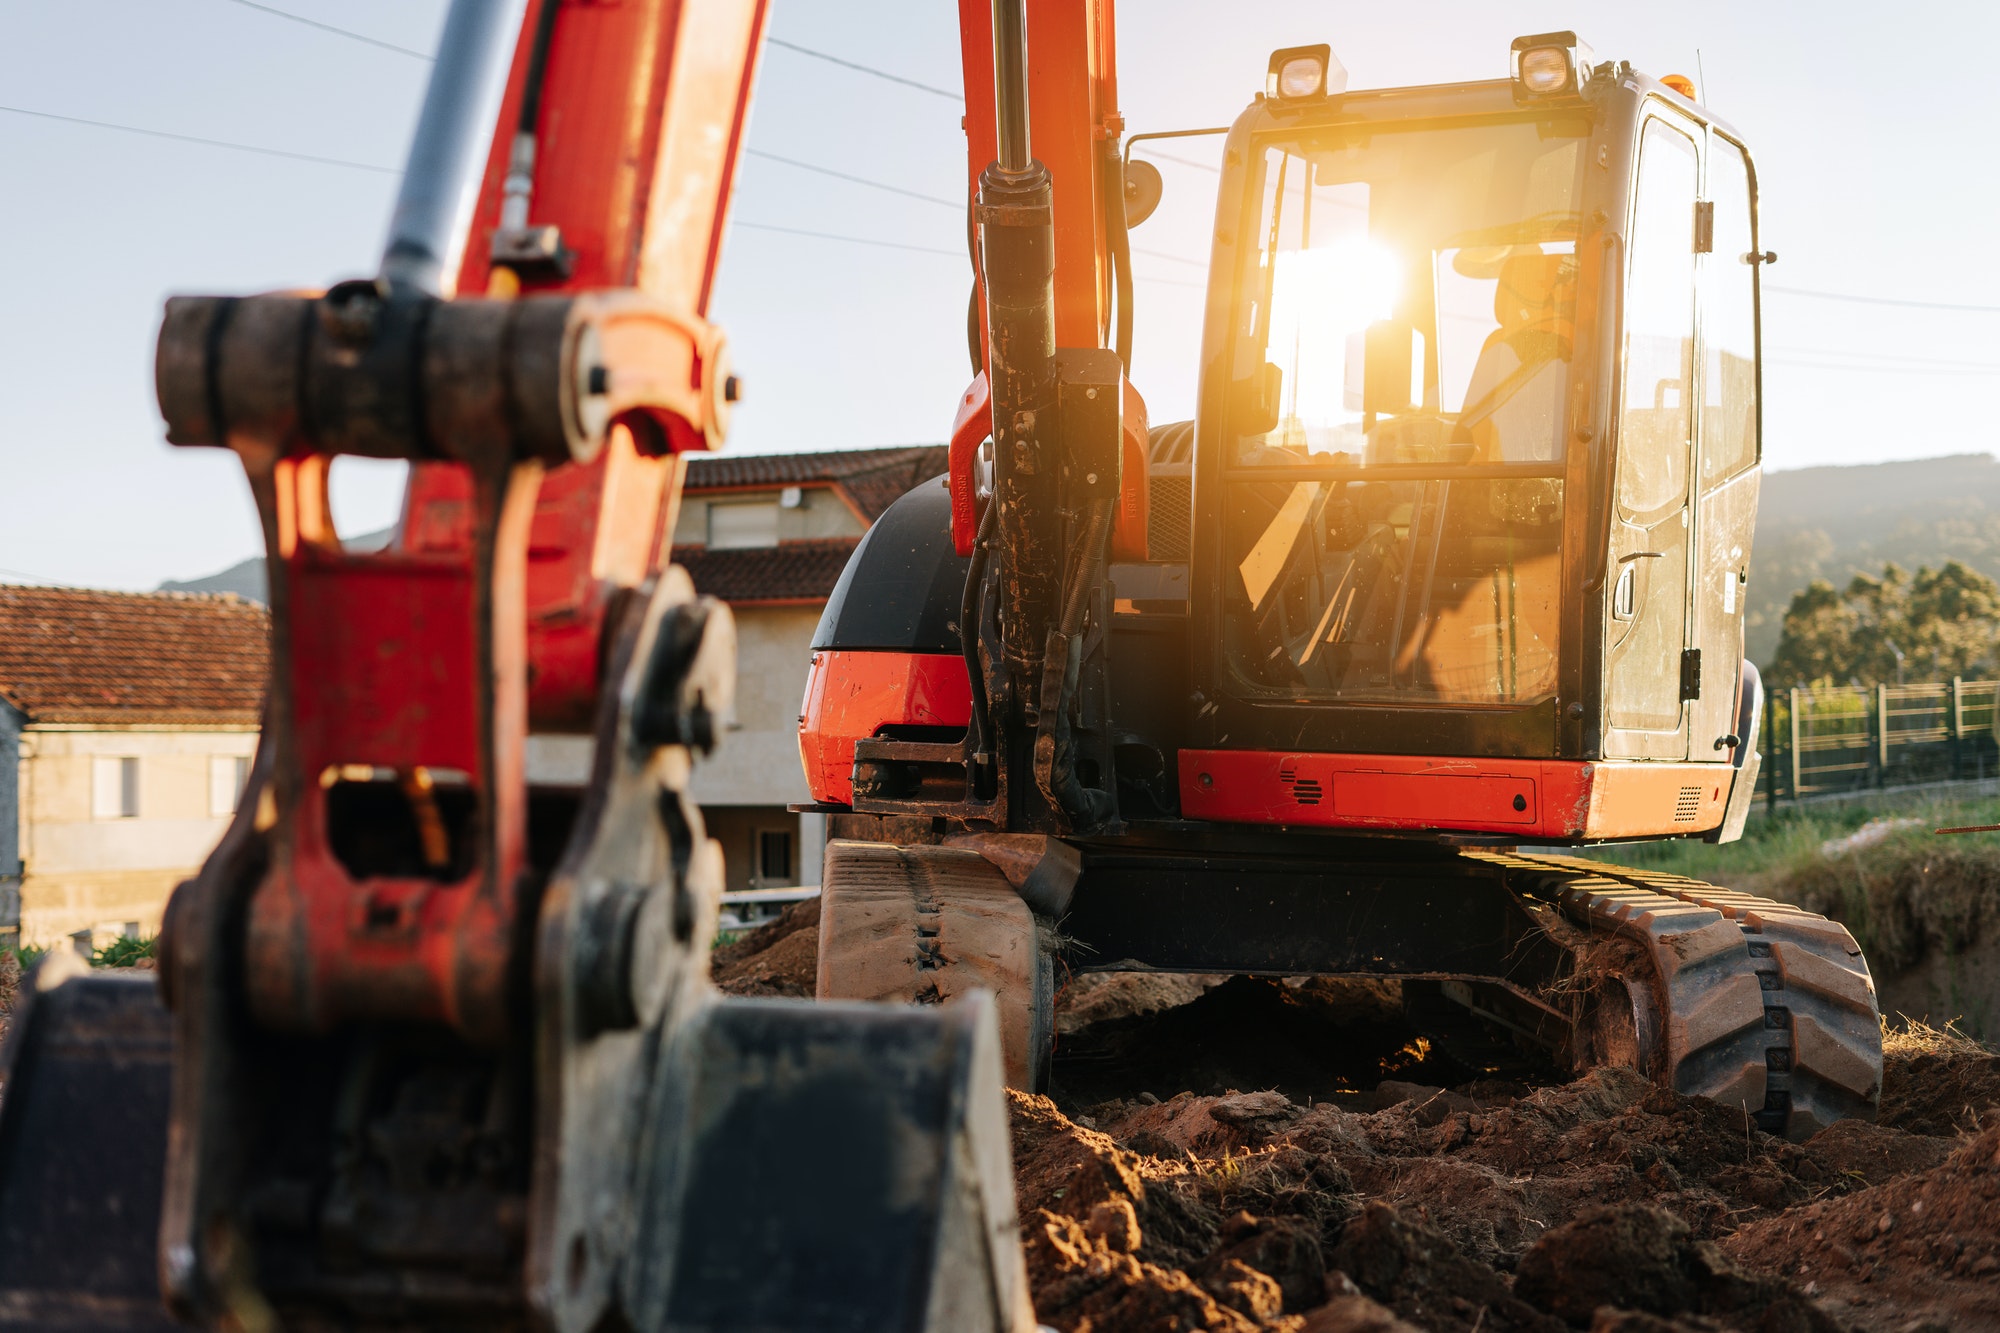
(1513, 403)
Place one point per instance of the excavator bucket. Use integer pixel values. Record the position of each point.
(83, 1142)
(803, 1167)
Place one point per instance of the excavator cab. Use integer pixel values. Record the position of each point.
(1476, 462)
(1447, 567)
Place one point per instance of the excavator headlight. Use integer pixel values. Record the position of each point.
(1550, 64)
(1301, 72)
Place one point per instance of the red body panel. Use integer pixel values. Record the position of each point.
(428, 660)
(1535, 800)
(850, 695)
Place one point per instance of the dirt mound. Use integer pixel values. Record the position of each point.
(1922, 1246)
(1604, 1202)
(1253, 1154)
(1938, 1081)
(780, 957)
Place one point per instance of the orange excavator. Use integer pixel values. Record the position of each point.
(1444, 577)
(433, 1044)
(1447, 567)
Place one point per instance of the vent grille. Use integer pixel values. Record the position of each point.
(1169, 513)
(1307, 791)
(1687, 805)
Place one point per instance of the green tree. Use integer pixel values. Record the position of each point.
(1929, 626)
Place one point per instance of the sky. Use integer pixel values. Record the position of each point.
(1868, 133)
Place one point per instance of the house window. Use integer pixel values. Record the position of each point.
(774, 857)
(740, 525)
(114, 787)
(226, 775)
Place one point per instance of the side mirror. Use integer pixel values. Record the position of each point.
(1143, 188)
(1253, 401)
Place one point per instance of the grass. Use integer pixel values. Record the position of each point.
(125, 951)
(1909, 1038)
(1911, 891)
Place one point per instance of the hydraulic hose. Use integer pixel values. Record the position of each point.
(971, 621)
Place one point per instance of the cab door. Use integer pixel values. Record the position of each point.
(1652, 538)
(1727, 473)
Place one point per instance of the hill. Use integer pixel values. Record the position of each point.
(1835, 522)
(1814, 523)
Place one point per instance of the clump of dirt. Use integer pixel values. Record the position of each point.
(780, 957)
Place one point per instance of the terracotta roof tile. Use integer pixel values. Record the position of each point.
(872, 478)
(79, 655)
(788, 572)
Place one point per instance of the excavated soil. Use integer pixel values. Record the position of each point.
(1241, 1154)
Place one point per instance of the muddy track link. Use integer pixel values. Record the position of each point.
(1760, 1004)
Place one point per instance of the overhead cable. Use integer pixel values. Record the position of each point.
(957, 205)
(209, 143)
(342, 32)
(1881, 370)
(855, 65)
(1883, 300)
(851, 240)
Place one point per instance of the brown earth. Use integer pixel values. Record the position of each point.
(1248, 1154)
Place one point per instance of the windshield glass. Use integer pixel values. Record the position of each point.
(1412, 304)
(1413, 297)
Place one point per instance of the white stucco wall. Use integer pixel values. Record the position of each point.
(80, 870)
(758, 764)
(819, 513)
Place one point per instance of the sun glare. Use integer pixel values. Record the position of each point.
(1322, 302)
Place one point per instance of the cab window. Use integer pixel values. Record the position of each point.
(1729, 322)
(1655, 423)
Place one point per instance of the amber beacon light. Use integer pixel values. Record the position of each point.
(1550, 64)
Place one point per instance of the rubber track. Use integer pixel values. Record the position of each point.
(1767, 1006)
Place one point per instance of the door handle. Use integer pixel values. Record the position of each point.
(1642, 555)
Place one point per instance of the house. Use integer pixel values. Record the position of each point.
(127, 723)
(769, 534)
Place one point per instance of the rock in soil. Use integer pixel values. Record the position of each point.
(1290, 1156)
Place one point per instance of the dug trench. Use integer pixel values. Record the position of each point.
(1237, 1153)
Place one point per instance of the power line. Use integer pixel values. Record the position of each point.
(1883, 300)
(918, 249)
(851, 240)
(849, 64)
(957, 205)
(342, 32)
(209, 143)
(1867, 358)
(1172, 259)
(1881, 370)
(1151, 151)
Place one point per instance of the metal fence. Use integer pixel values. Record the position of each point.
(1860, 736)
